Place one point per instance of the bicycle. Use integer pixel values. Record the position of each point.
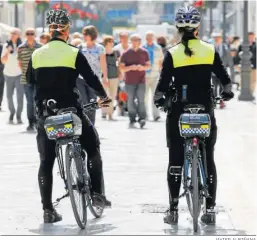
(194, 127)
(65, 128)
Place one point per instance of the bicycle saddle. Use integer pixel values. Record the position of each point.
(194, 106)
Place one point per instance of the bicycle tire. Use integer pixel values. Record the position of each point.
(97, 212)
(188, 194)
(195, 185)
(68, 160)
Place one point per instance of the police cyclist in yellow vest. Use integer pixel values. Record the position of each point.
(186, 79)
(53, 69)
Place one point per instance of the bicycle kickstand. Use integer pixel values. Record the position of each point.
(59, 199)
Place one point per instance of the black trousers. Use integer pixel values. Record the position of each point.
(1, 86)
(90, 143)
(176, 159)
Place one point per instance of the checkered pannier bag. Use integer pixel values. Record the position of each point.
(63, 126)
(194, 125)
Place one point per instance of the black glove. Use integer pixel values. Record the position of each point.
(227, 95)
(159, 102)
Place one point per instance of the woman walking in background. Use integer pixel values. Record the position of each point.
(112, 58)
(95, 55)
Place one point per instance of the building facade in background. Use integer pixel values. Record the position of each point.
(26, 15)
(113, 15)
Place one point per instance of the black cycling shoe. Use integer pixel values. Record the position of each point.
(171, 217)
(108, 204)
(209, 218)
(100, 200)
(51, 216)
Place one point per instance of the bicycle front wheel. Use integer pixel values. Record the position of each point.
(195, 186)
(97, 211)
(75, 183)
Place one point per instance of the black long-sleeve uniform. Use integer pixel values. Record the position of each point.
(58, 82)
(197, 77)
(53, 70)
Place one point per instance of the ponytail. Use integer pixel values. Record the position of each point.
(187, 35)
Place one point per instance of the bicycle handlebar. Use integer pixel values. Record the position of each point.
(95, 105)
(51, 104)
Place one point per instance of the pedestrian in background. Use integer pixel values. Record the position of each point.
(44, 38)
(162, 41)
(25, 51)
(122, 47)
(12, 74)
(1, 78)
(112, 60)
(76, 42)
(124, 44)
(76, 35)
(235, 43)
(95, 54)
(252, 46)
(134, 63)
(224, 52)
(152, 75)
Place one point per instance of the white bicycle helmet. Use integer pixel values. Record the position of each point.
(188, 17)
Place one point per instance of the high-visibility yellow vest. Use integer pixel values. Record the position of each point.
(203, 53)
(55, 54)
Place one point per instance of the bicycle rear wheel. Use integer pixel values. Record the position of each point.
(75, 185)
(187, 178)
(195, 190)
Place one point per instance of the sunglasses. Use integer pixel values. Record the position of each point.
(30, 34)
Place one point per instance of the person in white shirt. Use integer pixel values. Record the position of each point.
(12, 75)
(124, 45)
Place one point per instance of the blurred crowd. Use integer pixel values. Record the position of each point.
(128, 69)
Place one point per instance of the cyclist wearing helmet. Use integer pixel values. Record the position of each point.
(186, 79)
(53, 69)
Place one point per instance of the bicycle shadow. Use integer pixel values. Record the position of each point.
(203, 230)
(92, 228)
(224, 225)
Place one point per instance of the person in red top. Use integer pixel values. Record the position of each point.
(134, 63)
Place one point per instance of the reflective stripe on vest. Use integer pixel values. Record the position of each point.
(55, 54)
(203, 53)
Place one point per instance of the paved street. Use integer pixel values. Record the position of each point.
(135, 163)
